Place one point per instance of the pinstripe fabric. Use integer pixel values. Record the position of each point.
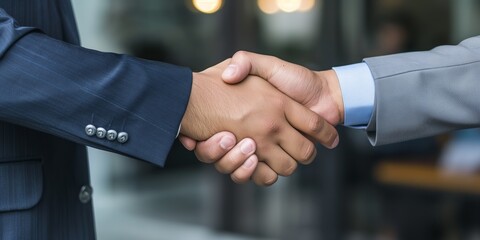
(53, 17)
(50, 91)
(23, 196)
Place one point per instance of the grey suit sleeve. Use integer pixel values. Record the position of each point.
(422, 94)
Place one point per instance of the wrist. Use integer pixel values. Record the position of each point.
(332, 92)
(203, 117)
(185, 124)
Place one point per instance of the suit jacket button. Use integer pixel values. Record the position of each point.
(90, 130)
(112, 135)
(85, 194)
(101, 132)
(122, 137)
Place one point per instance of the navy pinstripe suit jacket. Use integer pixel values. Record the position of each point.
(50, 89)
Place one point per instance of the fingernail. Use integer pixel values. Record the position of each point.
(226, 143)
(335, 143)
(230, 71)
(249, 163)
(247, 147)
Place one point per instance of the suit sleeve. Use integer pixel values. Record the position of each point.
(58, 88)
(422, 94)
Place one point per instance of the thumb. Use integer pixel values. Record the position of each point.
(245, 63)
(239, 68)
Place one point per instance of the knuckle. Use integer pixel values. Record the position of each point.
(332, 136)
(240, 53)
(274, 59)
(240, 56)
(263, 147)
(222, 168)
(269, 180)
(212, 155)
(316, 124)
(239, 177)
(203, 157)
(289, 169)
(264, 177)
(270, 126)
(308, 150)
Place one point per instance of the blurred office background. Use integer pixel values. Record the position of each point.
(423, 189)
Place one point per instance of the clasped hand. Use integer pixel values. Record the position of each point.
(277, 131)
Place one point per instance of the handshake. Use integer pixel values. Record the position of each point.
(276, 109)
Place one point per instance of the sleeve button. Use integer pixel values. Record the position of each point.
(122, 137)
(112, 135)
(90, 130)
(101, 132)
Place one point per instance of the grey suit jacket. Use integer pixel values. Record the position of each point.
(421, 94)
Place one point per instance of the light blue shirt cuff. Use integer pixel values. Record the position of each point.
(358, 91)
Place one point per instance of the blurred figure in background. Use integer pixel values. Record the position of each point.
(393, 33)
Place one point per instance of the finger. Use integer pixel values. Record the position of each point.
(264, 175)
(278, 160)
(236, 157)
(311, 124)
(187, 142)
(245, 172)
(214, 148)
(298, 146)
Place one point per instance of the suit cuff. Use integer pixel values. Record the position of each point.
(358, 91)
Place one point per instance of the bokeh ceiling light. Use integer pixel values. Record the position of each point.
(207, 6)
(307, 5)
(289, 5)
(268, 6)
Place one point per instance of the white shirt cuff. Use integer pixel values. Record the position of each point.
(358, 91)
(178, 132)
